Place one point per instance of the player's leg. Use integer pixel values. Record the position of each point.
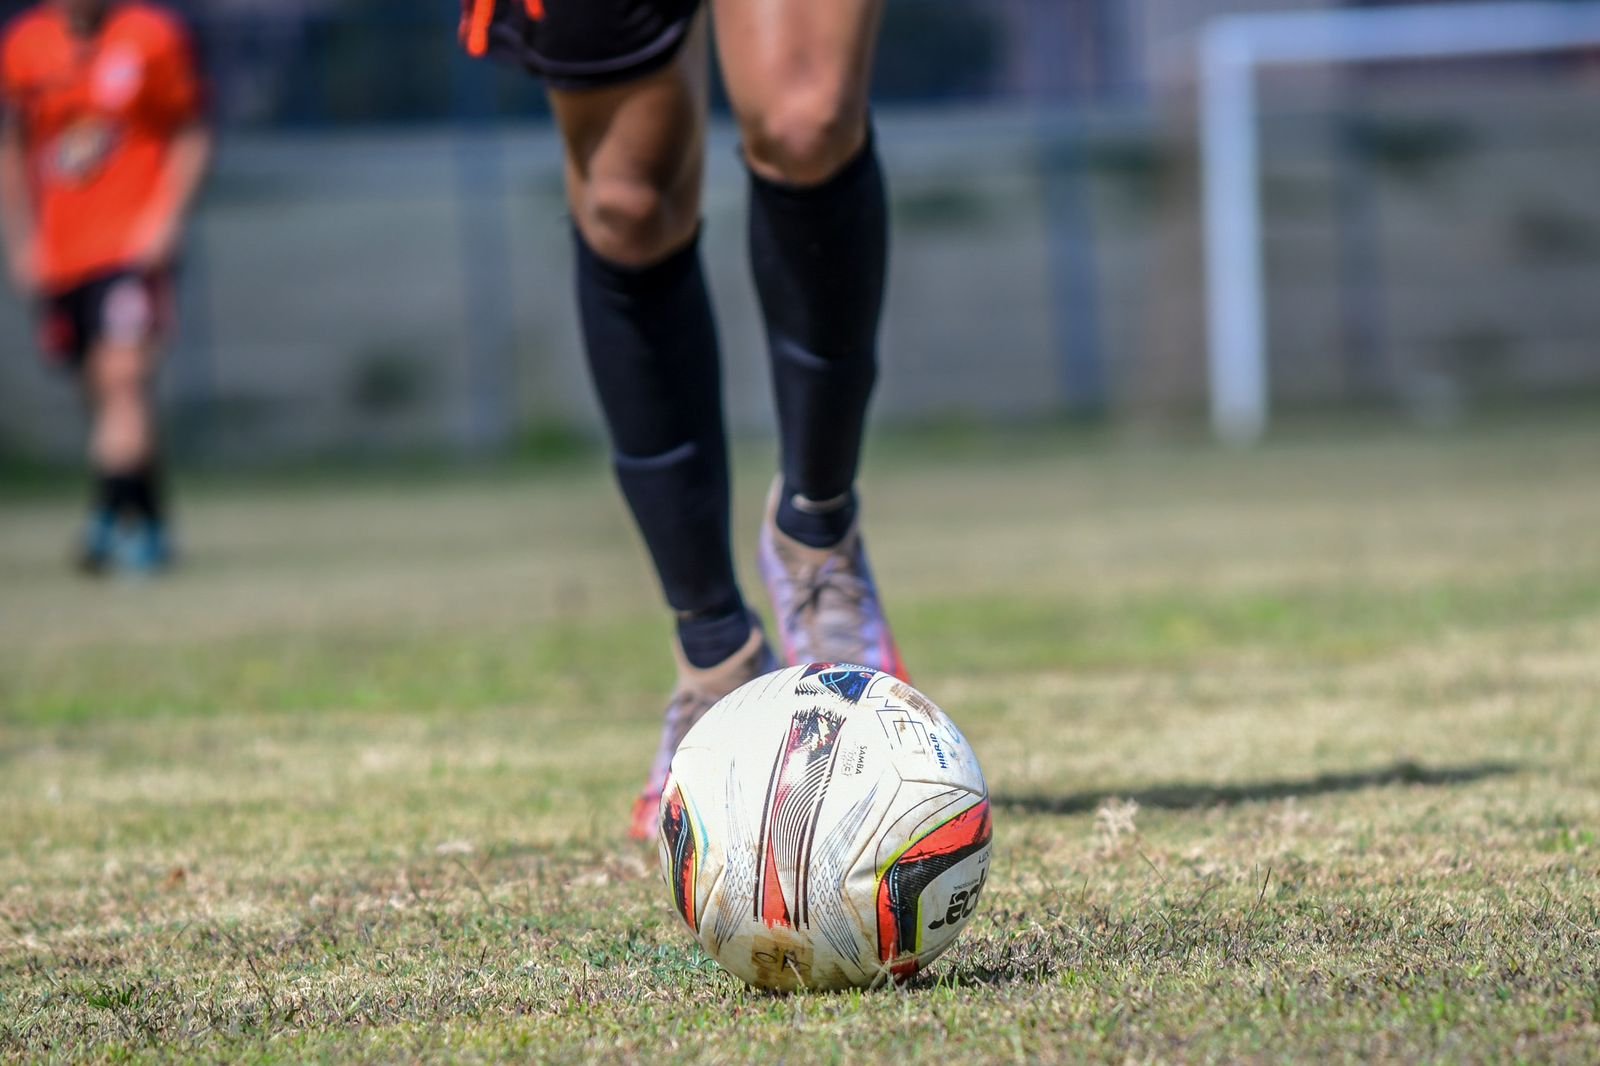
(64, 341)
(798, 73)
(108, 332)
(119, 377)
(635, 158)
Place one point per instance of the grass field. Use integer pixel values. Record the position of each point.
(1296, 754)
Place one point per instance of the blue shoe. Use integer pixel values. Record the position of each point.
(147, 550)
(98, 548)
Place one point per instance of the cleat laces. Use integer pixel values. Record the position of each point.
(835, 598)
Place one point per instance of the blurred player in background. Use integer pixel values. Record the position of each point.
(103, 150)
(628, 81)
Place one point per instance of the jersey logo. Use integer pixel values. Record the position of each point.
(81, 150)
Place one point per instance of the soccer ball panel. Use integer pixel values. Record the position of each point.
(924, 743)
(680, 845)
(938, 849)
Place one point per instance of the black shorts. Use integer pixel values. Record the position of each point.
(126, 306)
(586, 44)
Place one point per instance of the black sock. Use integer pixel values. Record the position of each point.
(819, 255)
(819, 524)
(115, 494)
(108, 494)
(652, 350)
(134, 494)
(145, 496)
(708, 638)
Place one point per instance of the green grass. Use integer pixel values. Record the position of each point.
(1296, 754)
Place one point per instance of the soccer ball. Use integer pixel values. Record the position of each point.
(825, 826)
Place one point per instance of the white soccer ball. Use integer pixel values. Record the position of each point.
(825, 826)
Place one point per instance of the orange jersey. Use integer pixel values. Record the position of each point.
(98, 117)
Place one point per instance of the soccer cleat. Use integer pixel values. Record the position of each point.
(697, 690)
(98, 547)
(148, 551)
(825, 599)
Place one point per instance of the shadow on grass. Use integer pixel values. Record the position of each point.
(1198, 797)
(1186, 928)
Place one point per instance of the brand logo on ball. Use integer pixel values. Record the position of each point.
(963, 901)
(901, 885)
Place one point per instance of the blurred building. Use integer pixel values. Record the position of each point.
(382, 258)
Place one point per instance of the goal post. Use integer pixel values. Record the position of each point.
(1233, 50)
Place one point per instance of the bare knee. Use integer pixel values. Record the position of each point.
(804, 137)
(634, 221)
(119, 390)
(117, 372)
